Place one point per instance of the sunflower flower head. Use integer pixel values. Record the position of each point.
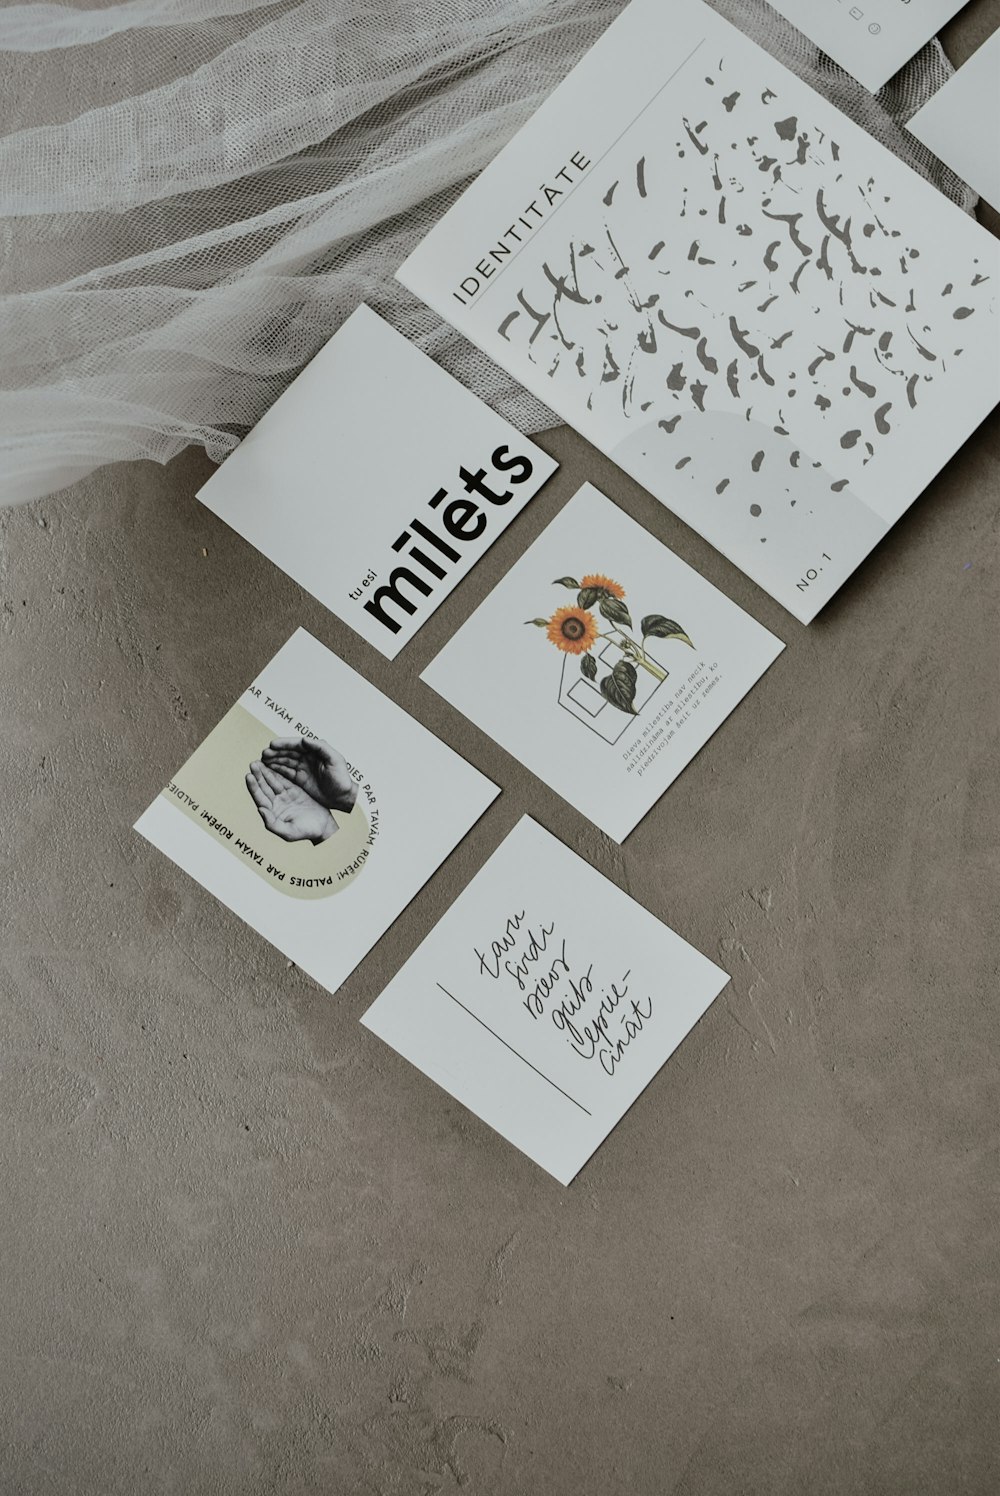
(605, 583)
(573, 630)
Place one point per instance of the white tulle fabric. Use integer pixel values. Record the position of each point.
(196, 193)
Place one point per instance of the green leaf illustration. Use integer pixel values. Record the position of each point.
(619, 687)
(589, 595)
(655, 626)
(540, 623)
(615, 611)
(589, 666)
(566, 582)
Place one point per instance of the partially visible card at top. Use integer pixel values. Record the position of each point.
(870, 39)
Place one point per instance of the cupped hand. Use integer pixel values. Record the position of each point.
(286, 809)
(317, 768)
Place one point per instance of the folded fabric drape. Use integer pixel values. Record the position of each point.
(196, 193)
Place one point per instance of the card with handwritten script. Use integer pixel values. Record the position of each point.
(870, 39)
(377, 481)
(603, 662)
(732, 290)
(316, 809)
(545, 1000)
(961, 123)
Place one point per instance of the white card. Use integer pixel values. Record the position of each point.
(961, 123)
(870, 39)
(316, 809)
(602, 662)
(545, 1000)
(377, 481)
(733, 291)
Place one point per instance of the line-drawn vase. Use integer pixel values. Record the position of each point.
(583, 699)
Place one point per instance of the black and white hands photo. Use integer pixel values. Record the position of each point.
(295, 785)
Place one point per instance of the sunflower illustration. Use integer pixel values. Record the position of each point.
(576, 630)
(604, 584)
(573, 630)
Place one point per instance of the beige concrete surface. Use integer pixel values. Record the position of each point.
(247, 1250)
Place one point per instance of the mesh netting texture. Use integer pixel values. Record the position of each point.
(196, 193)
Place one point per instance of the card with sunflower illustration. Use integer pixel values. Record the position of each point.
(626, 662)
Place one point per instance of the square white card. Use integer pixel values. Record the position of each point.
(603, 662)
(316, 809)
(545, 1000)
(732, 290)
(377, 481)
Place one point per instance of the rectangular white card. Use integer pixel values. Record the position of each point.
(377, 481)
(316, 809)
(602, 662)
(961, 123)
(545, 1000)
(870, 39)
(733, 291)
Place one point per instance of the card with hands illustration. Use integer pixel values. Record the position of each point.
(316, 850)
(286, 809)
(320, 770)
(295, 785)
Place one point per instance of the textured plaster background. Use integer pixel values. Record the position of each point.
(247, 1250)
